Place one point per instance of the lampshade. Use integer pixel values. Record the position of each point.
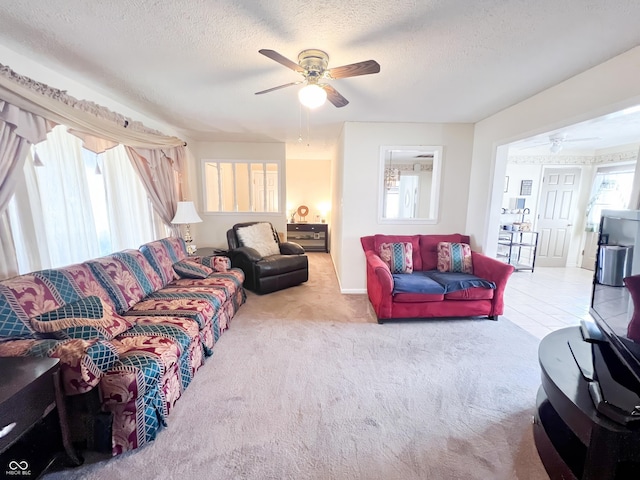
(312, 96)
(186, 213)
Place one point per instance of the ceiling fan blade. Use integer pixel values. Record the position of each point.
(334, 97)
(278, 87)
(583, 139)
(361, 68)
(273, 55)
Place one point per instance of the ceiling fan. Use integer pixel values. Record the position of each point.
(312, 65)
(557, 141)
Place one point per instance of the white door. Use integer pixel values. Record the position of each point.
(558, 199)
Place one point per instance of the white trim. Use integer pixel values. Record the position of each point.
(353, 291)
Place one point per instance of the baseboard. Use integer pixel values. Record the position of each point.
(353, 291)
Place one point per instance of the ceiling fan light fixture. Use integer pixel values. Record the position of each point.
(555, 147)
(312, 96)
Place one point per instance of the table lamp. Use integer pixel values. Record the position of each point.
(185, 215)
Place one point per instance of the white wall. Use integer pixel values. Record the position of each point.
(213, 229)
(309, 183)
(605, 88)
(359, 173)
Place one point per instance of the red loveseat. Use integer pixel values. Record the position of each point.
(466, 302)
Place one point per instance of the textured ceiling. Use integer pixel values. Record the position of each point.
(195, 64)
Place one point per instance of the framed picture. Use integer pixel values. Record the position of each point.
(525, 187)
(506, 184)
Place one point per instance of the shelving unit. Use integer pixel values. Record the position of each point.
(518, 248)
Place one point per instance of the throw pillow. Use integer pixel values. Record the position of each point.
(219, 263)
(189, 269)
(398, 256)
(259, 236)
(86, 319)
(454, 257)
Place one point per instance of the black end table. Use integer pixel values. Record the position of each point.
(30, 390)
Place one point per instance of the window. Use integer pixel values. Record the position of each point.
(611, 189)
(241, 186)
(73, 205)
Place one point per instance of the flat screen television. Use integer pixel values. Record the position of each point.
(612, 308)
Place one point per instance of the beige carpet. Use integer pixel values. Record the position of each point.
(305, 385)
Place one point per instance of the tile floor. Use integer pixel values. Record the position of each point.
(548, 299)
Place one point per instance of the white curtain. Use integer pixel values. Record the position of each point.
(26, 219)
(130, 223)
(65, 199)
(8, 261)
(28, 109)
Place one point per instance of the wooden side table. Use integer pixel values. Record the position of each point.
(30, 390)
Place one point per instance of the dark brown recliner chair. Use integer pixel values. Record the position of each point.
(284, 265)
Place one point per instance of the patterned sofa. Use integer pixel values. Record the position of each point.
(129, 331)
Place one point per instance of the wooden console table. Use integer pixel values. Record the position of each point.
(30, 390)
(313, 237)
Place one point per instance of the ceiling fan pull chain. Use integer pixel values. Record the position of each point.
(299, 122)
(308, 134)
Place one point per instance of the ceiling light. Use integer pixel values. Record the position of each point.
(557, 142)
(312, 96)
(556, 146)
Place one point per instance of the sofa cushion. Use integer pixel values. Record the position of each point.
(86, 319)
(189, 269)
(260, 237)
(126, 276)
(454, 257)
(416, 282)
(417, 297)
(474, 293)
(162, 254)
(454, 281)
(398, 256)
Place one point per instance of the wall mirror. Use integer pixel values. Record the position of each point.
(409, 184)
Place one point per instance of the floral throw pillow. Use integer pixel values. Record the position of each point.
(188, 269)
(399, 256)
(454, 257)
